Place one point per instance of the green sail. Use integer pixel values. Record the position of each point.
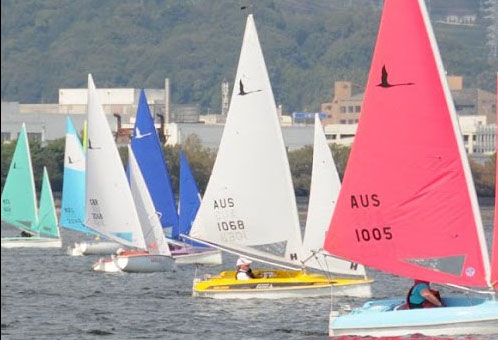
(18, 204)
(47, 217)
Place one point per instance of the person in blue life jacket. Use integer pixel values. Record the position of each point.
(421, 295)
(244, 271)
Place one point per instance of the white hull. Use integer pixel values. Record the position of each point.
(107, 265)
(362, 291)
(31, 243)
(135, 264)
(210, 258)
(93, 248)
(454, 328)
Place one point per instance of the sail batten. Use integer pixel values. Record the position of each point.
(249, 200)
(407, 194)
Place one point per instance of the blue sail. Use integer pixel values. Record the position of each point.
(190, 199)
(73, 185)
(150, 158)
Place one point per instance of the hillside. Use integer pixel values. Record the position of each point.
(50, 44)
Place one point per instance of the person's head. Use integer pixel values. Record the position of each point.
(243, 263)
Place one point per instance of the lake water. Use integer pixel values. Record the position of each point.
(49, 295)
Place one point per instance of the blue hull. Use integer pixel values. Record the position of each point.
(462, 315)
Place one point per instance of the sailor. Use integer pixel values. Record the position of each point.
(244, 271)
(422, 296)
(25, 234)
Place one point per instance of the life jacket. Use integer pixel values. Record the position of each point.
(425, 303)
(248, 273)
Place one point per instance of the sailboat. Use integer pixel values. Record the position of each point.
(150, 157)
(190, 201)
(249, 207)
(324, 190)
(408, 205)
(110, 206)
(18, 204)
(73, 197)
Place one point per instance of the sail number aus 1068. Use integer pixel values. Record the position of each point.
(231, 225)
(375, 234)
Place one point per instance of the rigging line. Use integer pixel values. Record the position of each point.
(230, 251)
(484, 292)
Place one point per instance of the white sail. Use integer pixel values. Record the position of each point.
(249, 200)
(155, 241)
(325, 187)
(74, 157)
(109, 206)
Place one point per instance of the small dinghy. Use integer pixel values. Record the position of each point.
(73, 198)
(408, 205)
(149, 154)
(39, 227)
(112, 209)
(249, 207)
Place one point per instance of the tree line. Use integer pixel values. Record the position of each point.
(201, 160)
(307, 45)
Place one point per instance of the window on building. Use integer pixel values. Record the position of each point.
(465, 138)
(331, 137)
(356, 121)
(357, 108)
(5, 136)
(350, 109)
(343, 121)
(350, 121)
(34, 136)
(343, 109)
(474, 138)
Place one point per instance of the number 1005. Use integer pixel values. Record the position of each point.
(375, 234)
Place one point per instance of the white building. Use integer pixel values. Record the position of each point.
(477, 136)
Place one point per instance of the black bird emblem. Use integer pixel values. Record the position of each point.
(385, 83)
(90, 145)
(242, 92)
(70, 161)
(14, 165)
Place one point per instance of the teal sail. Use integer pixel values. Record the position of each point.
(73, 185)
(18, 204)
(47, 217)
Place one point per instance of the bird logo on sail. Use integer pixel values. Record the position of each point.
(139, 135)
(241, 89)
(90, 147)
(385, 83)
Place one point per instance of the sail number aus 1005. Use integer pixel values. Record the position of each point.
(374, 234)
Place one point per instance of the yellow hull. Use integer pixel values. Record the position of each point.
(279, 284)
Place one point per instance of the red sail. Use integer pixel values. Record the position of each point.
(407, 204)
(494, 256)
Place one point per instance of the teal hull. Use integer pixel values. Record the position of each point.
(462, 315)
